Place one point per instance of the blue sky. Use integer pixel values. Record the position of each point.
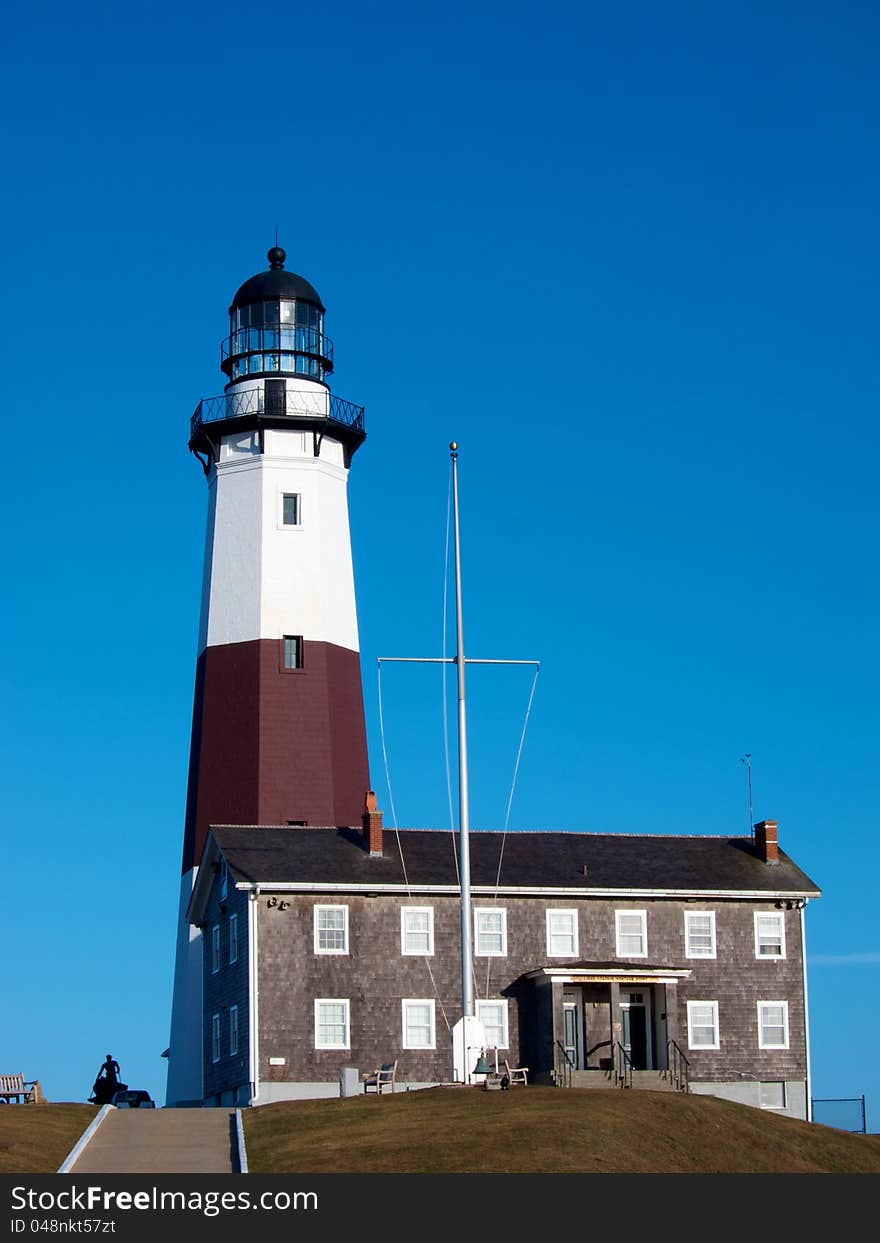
(628, 259)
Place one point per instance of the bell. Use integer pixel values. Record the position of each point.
(483, 1066)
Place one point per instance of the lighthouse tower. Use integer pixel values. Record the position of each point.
(278, 734)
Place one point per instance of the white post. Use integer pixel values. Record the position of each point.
(467, 987)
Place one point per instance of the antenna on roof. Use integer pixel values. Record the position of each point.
(747, 760)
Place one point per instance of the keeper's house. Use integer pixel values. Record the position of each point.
(600, 959)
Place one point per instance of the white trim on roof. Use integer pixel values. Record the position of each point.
(553, 891)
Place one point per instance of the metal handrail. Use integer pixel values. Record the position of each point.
(568, 1066)
(623, 1067)
(274, 339)
(297, 403)
(679, 1066)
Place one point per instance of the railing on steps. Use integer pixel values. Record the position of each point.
(623, 1067)
(679, 1066)
(563, 1067)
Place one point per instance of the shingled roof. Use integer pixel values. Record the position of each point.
(531, 860)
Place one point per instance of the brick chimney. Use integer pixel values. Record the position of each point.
(372, 822)
(766, 841)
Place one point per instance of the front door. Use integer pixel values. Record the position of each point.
(572, 1030)
(634, 1029)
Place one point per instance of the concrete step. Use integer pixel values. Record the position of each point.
(162, 1141)
(646, 1080)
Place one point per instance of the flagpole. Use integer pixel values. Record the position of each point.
(467, 985)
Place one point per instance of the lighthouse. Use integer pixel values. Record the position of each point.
(278, 733)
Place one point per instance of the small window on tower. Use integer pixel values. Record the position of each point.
(290, 509)
(293, 648)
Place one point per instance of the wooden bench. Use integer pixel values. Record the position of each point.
(382, 1078)
(17, 1088)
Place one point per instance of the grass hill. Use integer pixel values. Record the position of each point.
(35, 1139)
(544, 1131)
(465, 1130)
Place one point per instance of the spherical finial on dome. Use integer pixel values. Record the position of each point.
(453, 445)
(276, 257)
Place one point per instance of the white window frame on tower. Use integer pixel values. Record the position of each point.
(493, 1016)
(215, 949)
(691, 950)
(408, 1041)
(554, 938)
(642, 934)
(328, 948)
(766, 939)
(215, 1038)
(480, 932)
(282, 524)
(233, 1030)
(346, 1022)
(406, 933)
(233, 938)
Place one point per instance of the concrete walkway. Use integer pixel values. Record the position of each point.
(161, 1141)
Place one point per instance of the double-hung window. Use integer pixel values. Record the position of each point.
(418, 1024)
(417, 930)
(493, 1016)
(699, 934)
(291, 509)
(215, 1037)
(769, 934)
(703, 1025)
(331, 929)
(233, 938)
(233, 1030)
(490, 932)
(772, 1024)
(632, 934)
(562, 934)
(215, 949)
(332, 1023)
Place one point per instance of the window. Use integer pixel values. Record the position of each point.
(290, 509)
(292, 652)
(562, 934)
(490, 926)
(769, 935)
(418, 1024)
(233, 1030)
(702, 1024)
(772, 1095)
(331, 1023)
(224, 880)
(215, 949)
(331, 929)
(493, 1016)
(215, 1037)
(233, 938)
(417, 930)
(632, 935)
(699, 934)
(772, 1024)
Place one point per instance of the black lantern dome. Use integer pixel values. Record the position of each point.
(276, 327)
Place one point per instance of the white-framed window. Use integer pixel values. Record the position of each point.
(769, 934)
(331, 929)
(703, 1025)
(224, 880)
(215, 949)
(493, 1016)
(632, 933)
(215, 1037)
(290, 509)
(562, 933)
(292, 651)
(772, 1095)
(233, 1030)
(418, 1023)
(332, 1023)
(699, 934)
(233, 938)
(490, 932)
(772, 1024)
(417, 930)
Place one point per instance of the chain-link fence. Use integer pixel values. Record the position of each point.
(847, 1113)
